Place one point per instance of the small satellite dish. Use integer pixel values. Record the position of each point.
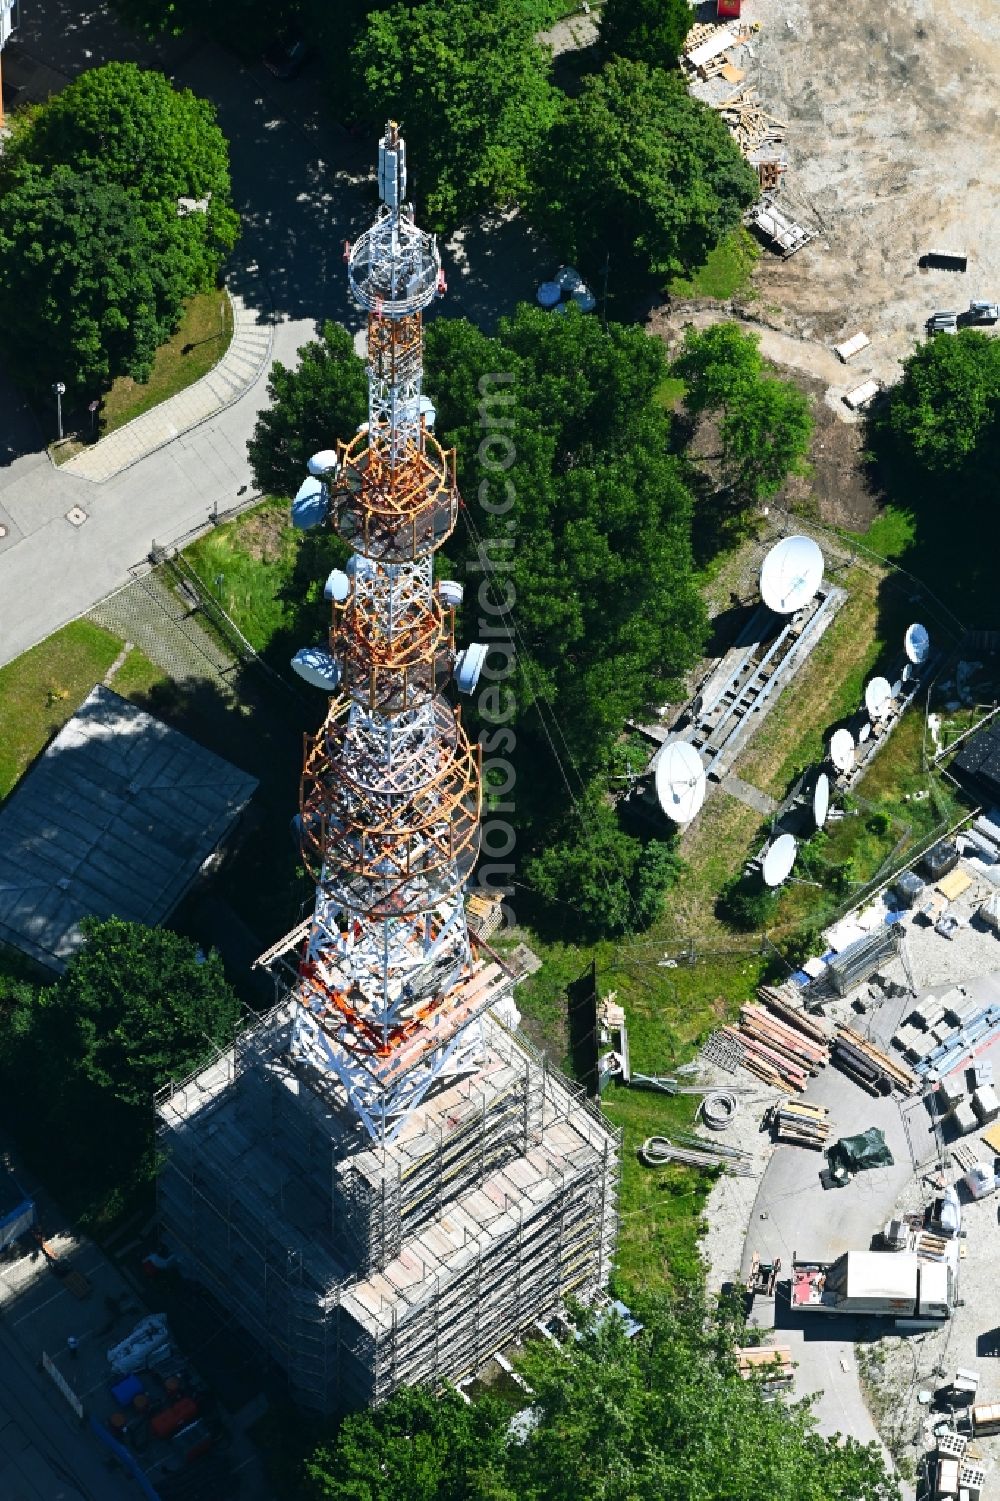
(468, 666)
(878, 697)
(680, 781)
(906, 675)
(778, 861)
(791, 574)
(337, 587)
(359, 567)
(317, 668)
(310, 506)
(865, 732)
(821, 799)
(842, 749)
(451, 593)
(917, 643)
(323, 463)
(548, 294)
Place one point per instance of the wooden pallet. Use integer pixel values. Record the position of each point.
(964, 1156)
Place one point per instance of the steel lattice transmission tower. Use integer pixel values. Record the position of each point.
(389, 989)
(381, 1179)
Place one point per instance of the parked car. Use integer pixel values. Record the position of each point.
(942, 323)
(286, 54)
(983, 312)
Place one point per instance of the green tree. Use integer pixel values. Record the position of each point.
(469, 84)
(638, 174)
(321, 399)
(647, 31)
(590, 871)
(126, 127)
(425, 1448)
(574, 509)
(765, 437)
(944, 414)
(747, 904)
(138, 1006)
(86, 292)
(665, 1415)
(81, 1059)
(766, 425)
(718, 365)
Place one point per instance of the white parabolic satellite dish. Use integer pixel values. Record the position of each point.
(778, 861)
(791, 574)
(878, 697)
(821, 799)
(842, 749)
(680, 781)
(916, 643)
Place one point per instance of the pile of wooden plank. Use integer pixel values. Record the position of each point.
(749, 123)
(773, 1362)
(875, 1070)
(782, 1046)
(801, 1124)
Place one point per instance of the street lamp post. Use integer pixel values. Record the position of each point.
(60, 391)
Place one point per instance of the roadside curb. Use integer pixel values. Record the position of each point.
(223, 386)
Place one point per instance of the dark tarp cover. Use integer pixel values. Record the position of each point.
(854, 1154)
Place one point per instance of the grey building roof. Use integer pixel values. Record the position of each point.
(116, 818)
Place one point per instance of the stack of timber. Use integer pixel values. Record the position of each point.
(870, 1067)
(773, 1362)
(782, 1046)
(801, 1124)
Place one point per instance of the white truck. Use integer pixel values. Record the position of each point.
(890, 1284)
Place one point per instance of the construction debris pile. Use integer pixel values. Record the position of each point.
(778, 1044)
(709, 56)
(875, 1070)
(749, 123)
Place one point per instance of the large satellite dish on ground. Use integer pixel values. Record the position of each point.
(842, 749)
(778, 861)
(917, 643)
(791, 574)
(878, 697)
(680, 781)
(821, 799)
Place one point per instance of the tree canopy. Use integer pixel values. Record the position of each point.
(323, 398)
(81, 1059)
(128, 127)
(766, 425)
(647, 31)
(662, 1417)
(86, 293)
(469, 83)
(98, 253)
(637, 170)
(945, 412)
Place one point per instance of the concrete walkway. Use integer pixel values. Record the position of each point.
(235, 374)
(744, 792)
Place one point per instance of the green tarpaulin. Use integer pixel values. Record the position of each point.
(855, 1154)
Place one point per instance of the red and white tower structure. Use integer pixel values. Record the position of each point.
(389, 988)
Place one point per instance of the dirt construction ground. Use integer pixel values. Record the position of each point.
(891, 112)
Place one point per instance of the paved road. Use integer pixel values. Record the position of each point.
(44, 1455)
(302, 187)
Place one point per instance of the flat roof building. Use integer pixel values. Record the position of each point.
(116, 818)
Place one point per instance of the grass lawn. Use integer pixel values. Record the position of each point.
(249, 564)
(45, 687)
(202, 338)
(828, 687)
(726, 272)
(670, 392)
